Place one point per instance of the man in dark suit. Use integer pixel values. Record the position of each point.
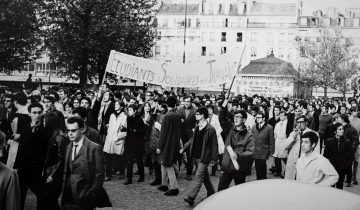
(84, 171)
(188, 119)
(7, 114)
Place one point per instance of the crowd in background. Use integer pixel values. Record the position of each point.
(71, 141)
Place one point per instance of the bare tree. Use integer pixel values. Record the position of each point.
(329, 61)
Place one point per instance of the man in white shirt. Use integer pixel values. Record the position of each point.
(312, 167)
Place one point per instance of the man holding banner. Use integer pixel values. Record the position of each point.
(239, 146)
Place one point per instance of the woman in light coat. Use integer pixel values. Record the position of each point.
(115, 138)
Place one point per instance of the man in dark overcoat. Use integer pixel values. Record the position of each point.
(169, 147)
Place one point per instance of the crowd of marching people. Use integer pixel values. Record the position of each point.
(68, 142)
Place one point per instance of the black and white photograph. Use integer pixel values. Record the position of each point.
(179, 104)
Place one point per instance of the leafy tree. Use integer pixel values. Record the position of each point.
(20, 40)
(328, 62)
(80, 34)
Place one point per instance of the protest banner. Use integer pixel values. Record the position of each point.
(219, 70)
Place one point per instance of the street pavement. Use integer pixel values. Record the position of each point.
(143, 196)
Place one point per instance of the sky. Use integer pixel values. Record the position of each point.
(311, 5)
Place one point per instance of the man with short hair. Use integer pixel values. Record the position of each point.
(188, 119)
(49, 104)
(83, 172)
(293, 144)
(239, 146)
(263, 134)
(7, 114)
(169, 147)
(204, 149)
(31, 155)
(92, 134)
(63, 96)
(312, 167)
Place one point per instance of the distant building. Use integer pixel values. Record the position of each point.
(270, 77)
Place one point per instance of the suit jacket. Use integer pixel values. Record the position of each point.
(264, 141)
(339, 153)
(189, 123)
(84, 176)
(5, 122)
(9, 189)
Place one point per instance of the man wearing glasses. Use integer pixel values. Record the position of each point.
(293, 144)
(84, 171)
(263, 134)
(239, 146)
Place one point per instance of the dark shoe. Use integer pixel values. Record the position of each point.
(188, 177)
(355, 182)
(348, 184)
(272, 169)
(140, 179)
(121, 176)
(107, 178)
(155, 182)
(189, 200)
(163, 188)
(172, 192)
(128, 182)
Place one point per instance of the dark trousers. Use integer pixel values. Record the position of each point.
(189, 163)
(30, 180)
(340, 183)
(138, 157)
(201, 176)
(113, 161)
(349, 171)
(52, 192)
(227, 176)
(156, 165)
(278, 165)
(260, 167)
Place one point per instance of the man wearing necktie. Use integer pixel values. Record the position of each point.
(188, 125)
(84, 171)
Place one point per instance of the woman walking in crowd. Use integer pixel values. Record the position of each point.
(68, 108)
(148, 119)
(134, 144)
(54, 161)
(115, 140)
(338, 151)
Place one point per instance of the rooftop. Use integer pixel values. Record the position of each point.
(269, 65)
(268, 9)
(179, 9)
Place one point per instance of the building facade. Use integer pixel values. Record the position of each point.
(262, 27)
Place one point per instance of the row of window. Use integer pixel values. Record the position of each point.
(272, 37)
(196, 23)
(256, 22)
(266, 83)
